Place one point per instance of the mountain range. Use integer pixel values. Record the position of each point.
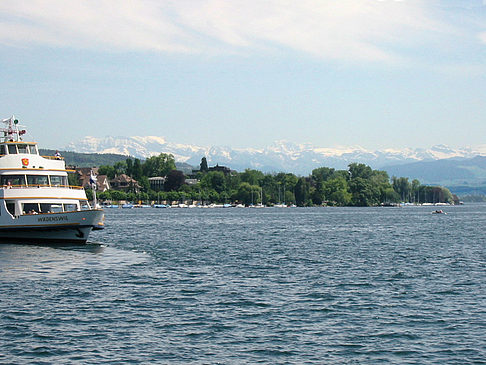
(279, 156)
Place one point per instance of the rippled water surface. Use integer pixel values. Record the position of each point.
(233, 286)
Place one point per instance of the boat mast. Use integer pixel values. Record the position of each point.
(11, 132)
(284, 195)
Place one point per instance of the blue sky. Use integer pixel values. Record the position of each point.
(374, 73)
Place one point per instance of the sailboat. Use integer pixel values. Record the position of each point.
(280, 204)
(259, 205)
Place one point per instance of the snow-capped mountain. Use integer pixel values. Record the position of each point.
(280, 156)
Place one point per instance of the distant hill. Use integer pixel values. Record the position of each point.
(97, 159)
(86, 159)
(185, 167)
(464, 171)
(466, 190)
(462, 176)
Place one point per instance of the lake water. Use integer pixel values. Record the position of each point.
(236, 286)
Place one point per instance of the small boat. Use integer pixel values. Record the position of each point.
(438, 211)
(37, 204)
(259, 205)
(213, 205)
(161, 206)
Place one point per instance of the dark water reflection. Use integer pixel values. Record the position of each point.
(324, 285)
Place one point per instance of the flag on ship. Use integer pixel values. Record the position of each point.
(92, 180)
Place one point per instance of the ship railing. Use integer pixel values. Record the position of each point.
(46, 157)
(74, 187)
(53, 157)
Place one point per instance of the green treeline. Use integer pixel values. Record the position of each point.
(359, 185)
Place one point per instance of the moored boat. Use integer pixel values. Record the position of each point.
(37, 204)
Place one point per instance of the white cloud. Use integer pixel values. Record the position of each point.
(359, 30)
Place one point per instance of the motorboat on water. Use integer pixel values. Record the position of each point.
(37, 204)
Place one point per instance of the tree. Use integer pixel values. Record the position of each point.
(137, 171)
(129, 164)
(132, 197)
(359, 170)
(118, 195)
(248, 194)
(203, 166)
(402, 186)
(302, 192)
(120, 167)
(144, 183)
(289, 197)
(322, 173)
(214, 197)
(286, 180)
(89, 194)
(364, 193)
(271, 190)
(381, 181)
(159, 165)
(174, 180)
(317, 194)
(336, 191)
(104, 195)
(415, 190)
(107, 170)
(252, 177)
(446, 195)
(173, 196)
(390, 196)
(214, 180)
(73, 180)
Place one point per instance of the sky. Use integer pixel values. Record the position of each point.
(245, 73)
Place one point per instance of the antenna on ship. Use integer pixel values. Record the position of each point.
(11, 132)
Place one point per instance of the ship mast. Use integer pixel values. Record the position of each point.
(11, 132)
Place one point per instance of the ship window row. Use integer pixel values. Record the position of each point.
(13, 149)
(36, 208)
(41, 208)
(33, 180)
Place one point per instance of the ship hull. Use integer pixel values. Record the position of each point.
(74, 235)
(55, 228)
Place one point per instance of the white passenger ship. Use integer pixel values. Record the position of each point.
(37, 204)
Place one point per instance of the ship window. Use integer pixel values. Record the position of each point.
(12, 180)
(37, 180)
(30, 208)
(22, 148)
(3, 150)
(45, 207)
(84, 205)
(70, 207)
(56, 208)
(58, 180)
(33, 149)
(10, 206)
(12, 149)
